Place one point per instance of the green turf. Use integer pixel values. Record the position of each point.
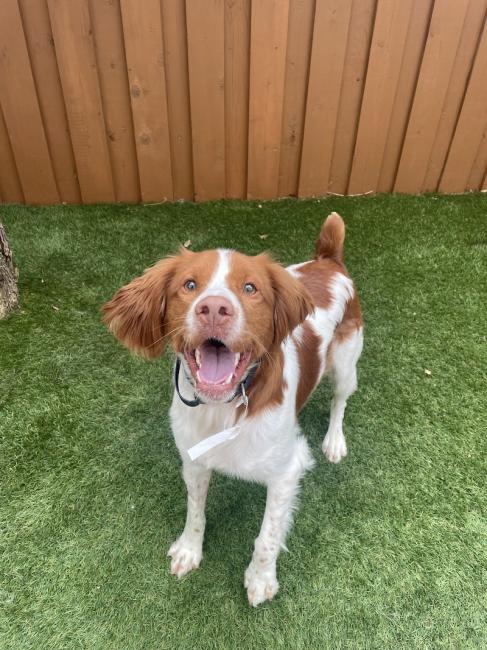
(389, 548)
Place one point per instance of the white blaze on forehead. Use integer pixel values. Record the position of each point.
(218, 286)
(219, 279)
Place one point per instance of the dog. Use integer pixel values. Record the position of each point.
(252, 340)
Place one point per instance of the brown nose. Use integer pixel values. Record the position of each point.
(214, 310)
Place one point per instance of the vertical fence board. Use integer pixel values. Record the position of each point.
(479, 166)
(300, 37)
(10, 187)
(354, 70)
(332, 20)
(104, 100)
(470, 127)
(177, 86)
(439, 57)
(383, 72)
(205, 23)
(21, 110)
(269, 25)
(112, 71)
(37, 28)
(237, 69)
(145, 61)
(413, 52)
(71, 28)
(467, 47)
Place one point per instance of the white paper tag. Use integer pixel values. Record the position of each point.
(206, 444)
(212, 441)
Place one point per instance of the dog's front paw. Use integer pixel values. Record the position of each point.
(185, 556)
(261, 585)
(334, 447)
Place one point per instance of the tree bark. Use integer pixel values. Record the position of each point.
(9, 293)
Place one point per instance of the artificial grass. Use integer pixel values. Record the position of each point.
(389, 547)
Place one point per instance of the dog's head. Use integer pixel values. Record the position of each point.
(220, 310)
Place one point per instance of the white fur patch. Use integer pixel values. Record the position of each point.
(323, 322)
(217, 286)
(219, 278)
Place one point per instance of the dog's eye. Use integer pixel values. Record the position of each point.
(190, 285)
(250, 288)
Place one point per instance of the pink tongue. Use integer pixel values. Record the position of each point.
(216, 363)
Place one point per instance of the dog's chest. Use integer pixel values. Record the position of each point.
(252, 454)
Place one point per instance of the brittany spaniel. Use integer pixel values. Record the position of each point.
(252, 340)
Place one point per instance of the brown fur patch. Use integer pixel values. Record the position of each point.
(351, 322)
(136, 313)
(199, 267)
(279, 305)
(332, 236)
(316, 277)
(308, 348)
(267, 388)
(146, 312)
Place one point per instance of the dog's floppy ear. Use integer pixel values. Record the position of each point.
(292, 302)
(135, 314)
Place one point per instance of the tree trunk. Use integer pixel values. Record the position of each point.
(9, 293)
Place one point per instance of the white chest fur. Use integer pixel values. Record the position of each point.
(262, 441)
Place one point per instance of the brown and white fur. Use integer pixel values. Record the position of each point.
(296, 324)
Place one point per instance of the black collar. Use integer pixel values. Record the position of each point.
(241, 389)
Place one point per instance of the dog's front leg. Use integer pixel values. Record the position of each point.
(187, 550)
(260, 576)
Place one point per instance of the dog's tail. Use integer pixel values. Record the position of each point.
(332, 236)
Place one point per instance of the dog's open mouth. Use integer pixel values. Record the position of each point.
(216, 369)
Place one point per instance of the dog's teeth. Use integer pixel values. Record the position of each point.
(198, 375)
(237, 358)
(197, 355)
(228, 379)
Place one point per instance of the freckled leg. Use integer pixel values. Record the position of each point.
(260, 576)
(186, 552)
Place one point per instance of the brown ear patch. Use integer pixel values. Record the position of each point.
(292, 301)
(135, 314)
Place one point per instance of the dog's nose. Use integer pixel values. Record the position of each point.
(214, 310)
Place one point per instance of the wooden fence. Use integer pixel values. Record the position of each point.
(148, 100)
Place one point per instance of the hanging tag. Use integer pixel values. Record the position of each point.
(212, 441)
(206, 444)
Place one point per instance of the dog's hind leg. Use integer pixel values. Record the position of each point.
(187, 550)
(344, 356)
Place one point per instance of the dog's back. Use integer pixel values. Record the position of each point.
(330, 339)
